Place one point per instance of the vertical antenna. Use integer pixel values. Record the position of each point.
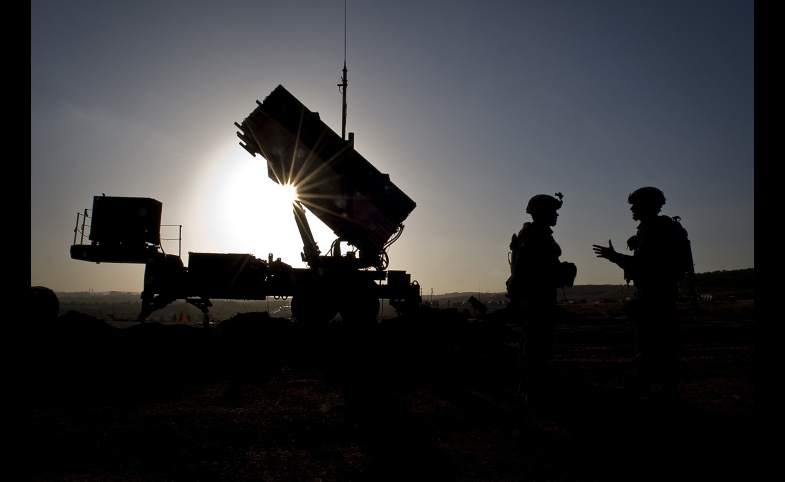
(344, 82)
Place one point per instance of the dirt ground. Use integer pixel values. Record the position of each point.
(431, 397)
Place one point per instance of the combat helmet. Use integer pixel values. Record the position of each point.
(648, 196)
(543, 203)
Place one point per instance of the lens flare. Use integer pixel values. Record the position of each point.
(287, 193)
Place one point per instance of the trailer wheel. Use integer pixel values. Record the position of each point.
(313, 308)
(361, 304)
(361, 309)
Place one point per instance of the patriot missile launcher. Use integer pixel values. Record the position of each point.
(333, 181)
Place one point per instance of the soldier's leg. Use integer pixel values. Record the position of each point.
(538, 339)
(518, 315)
(645, 346)
(521, 365)
(665, 367)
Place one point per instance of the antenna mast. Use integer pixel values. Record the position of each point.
(344, 82)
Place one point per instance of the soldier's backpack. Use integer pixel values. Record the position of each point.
(679, 256)
(681, 249)
(515, 245)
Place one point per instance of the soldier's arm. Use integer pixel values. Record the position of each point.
(622, 260)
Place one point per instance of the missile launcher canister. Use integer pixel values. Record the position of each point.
(337, 184)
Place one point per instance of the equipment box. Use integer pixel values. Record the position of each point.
(127, 220)
(226, 276)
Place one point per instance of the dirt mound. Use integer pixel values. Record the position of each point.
(74, 326)
(248, 323)
(251, 344)
(161, 333)
(44, 304)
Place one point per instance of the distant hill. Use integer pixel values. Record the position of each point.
(738, 282)
(739, 279)
(590, 293)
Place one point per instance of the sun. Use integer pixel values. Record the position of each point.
(247, 212)
(285, 194)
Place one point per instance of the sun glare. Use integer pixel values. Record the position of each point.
(247, 212)
(286, 193)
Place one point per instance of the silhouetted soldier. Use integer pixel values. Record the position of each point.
(662, 256)
(535, 274)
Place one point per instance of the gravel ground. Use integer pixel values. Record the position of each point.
(432, 397)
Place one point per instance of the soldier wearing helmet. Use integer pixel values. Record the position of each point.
(662, 256)
(535, 274)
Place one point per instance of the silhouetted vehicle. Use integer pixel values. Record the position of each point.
(337, 184)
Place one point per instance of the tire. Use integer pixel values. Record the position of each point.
(361, 304)
(313, 308)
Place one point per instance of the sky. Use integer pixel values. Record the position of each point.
(472, 108)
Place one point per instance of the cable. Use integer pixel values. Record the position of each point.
(395, 237)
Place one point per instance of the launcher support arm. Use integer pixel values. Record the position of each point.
(311, 251)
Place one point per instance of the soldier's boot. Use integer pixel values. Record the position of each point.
(635, 390)
(539, 387)
(669, 393)
(642, 390)
(639, 388)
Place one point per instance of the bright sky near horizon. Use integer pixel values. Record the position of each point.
(470, 107)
